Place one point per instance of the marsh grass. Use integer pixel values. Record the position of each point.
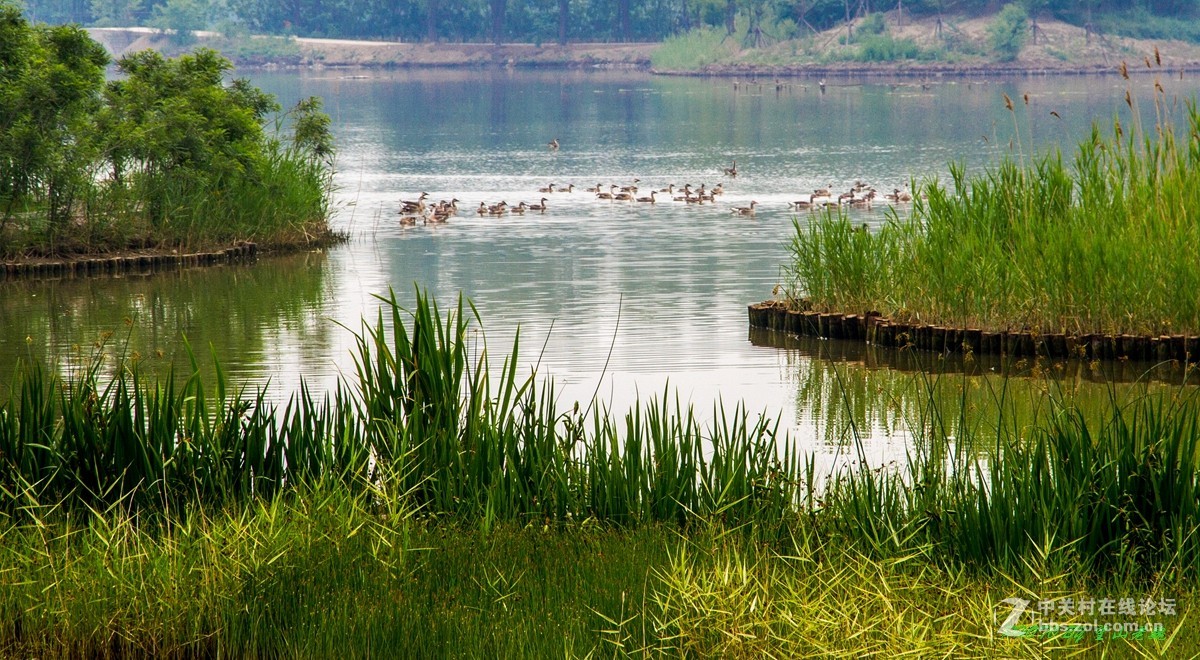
(1096, 245)
(696, 49)
(440, 504)
(321, 572)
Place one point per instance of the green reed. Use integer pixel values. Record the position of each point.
(1098, 244)
(423, 418)
(1115, 496)
(428, 422)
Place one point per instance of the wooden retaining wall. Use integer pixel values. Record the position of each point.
(879, 330)
(90, 266)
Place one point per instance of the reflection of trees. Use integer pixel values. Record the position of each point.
(235, 309)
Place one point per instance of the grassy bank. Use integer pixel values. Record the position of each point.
(432, 499)
(322, 574)
(167, 155)
(1088, 245)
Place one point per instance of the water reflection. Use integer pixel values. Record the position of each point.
(664, 287)
(264, 316)
(848, 390)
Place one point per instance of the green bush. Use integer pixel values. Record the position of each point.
(169, 152)
(1008, 32)
(693, 50)
(872, 24)
(1139, 23)
(885, 48)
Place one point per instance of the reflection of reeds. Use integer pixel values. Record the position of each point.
(1098, 245)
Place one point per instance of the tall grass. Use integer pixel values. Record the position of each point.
(461, 441)
(1098, 245)
(1118, 496)
(695, 49)
(423, 418)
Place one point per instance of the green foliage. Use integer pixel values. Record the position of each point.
(50, 78)
(885, 48)
(1008, 32)
(693, 50)
(1139, 23)
(182, 18)
(116, 13)
(168, 150)
(872, 24)
(1032, 245)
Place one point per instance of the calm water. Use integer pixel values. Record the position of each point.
(610, 297)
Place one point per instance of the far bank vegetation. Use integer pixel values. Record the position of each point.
(168, 154)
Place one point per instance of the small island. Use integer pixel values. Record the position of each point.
(168, 162)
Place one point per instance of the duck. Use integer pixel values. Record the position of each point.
(553, 144)
(718, 189)
(670, 189)
(744, 210)
(648, 200)
(547, 189)
(731, 171)
(483, 208)
(499, 208)
(802, 203)
(570, 188)
(408, 220)
(687, 193)
(519, 209)
(631, 188)
(596, 189)
(418, 207)
(862, 202)
(624, 196)
(609, 194)
(538, 207)
(446, 208)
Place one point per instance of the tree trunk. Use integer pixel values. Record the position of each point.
(623, 17)
(498, 7)
(730, 16)
(431, 19)
(849, 33)
(564, 12)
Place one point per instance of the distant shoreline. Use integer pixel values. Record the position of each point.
(349, 54)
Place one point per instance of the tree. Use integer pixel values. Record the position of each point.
(117, 13)
(1008, 31)
(178, 129)
(50, 82)
(498, 8)
(564, 10)
(182, 18)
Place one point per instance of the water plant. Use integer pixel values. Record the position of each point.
(265, 514)
(1036, 242)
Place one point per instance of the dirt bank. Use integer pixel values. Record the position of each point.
(1059, 48)
(301, 52)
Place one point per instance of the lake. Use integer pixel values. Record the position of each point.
(613, 298)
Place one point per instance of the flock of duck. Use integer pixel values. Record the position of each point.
(859, 196)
